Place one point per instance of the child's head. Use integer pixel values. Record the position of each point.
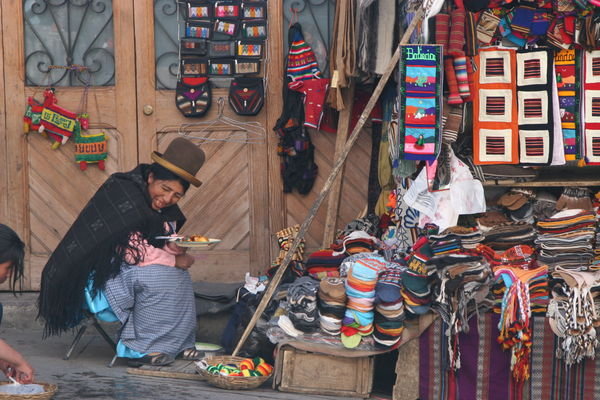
(12, 253)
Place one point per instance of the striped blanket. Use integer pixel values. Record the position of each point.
(485, 369)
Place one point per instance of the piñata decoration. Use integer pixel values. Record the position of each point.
(421, 84)
(33, 115)
(58, 122)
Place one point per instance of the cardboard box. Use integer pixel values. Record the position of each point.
(301, 371)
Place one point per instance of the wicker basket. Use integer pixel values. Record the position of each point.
(49, 390)
(230, 382)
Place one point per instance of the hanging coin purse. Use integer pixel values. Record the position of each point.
(228, 28)
(254, 29)
(198, 10)
(220, 66)
(254, 11)
(246, 95)
(193, 66)
(247, 66)
(194, 46)
(193, 96)
(227, 9)
(221, 48)
(198, 29)
(248, 48)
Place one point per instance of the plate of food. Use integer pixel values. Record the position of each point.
(194, 241)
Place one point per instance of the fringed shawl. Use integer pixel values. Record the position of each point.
(96, 243)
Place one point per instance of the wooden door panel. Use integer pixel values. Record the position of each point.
(46, 187)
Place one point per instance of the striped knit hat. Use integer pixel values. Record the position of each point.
(302, 63)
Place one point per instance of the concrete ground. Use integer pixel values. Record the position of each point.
(86, 375)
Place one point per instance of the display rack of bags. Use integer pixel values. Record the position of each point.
(226, 40)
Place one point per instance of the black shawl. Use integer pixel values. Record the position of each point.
(96, 243)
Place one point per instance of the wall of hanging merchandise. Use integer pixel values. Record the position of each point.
(530, 70)
(59, 124)
(224, 39)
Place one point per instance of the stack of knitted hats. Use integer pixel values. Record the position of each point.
(322, 264)
(455, 237)
(389, 309)
(416, 290)
(355, 242)
(567, 238)
(360, 289)
(302, 300)
(332, 304)
(509, 234)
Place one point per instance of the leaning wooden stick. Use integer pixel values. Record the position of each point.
(327, 186)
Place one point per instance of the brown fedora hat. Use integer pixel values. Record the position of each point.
(183, 158)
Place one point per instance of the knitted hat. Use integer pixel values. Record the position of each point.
(301, 63)
(183, 158)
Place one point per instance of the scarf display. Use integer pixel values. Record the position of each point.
(567, 69)
(96, 245)
(591, 106)
(420, 106)
(495, 131)
(534, 99)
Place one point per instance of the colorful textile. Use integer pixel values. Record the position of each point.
(534, 99)
(57, 121)
(90, 148)
(301, 62)
(484, 373)
(495, 132)
(591, 106)
(566, 67)
(420, 101)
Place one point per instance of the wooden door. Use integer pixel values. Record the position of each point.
(233, 202)
(46, 188)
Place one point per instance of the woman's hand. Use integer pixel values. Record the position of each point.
(184, 261)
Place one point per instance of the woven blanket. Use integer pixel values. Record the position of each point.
(485, 369)
(420, 88)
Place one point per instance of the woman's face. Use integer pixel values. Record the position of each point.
(5, 270)
(164, 193)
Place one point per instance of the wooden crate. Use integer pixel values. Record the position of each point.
(317, 373)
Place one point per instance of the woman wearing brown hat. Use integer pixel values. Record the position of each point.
(112, 252)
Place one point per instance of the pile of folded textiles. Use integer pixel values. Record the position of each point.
(323, 263)
(566, 239)
(302, 301)
(355, 242)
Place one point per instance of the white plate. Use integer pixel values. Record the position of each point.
(187, 243)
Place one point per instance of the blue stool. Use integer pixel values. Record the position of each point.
(95, 310)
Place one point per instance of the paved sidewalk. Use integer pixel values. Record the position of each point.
(87, 376)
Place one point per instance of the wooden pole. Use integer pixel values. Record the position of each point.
(333, 204)
(327, 186)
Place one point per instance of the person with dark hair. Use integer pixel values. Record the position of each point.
(115, 253)
(12, 252)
